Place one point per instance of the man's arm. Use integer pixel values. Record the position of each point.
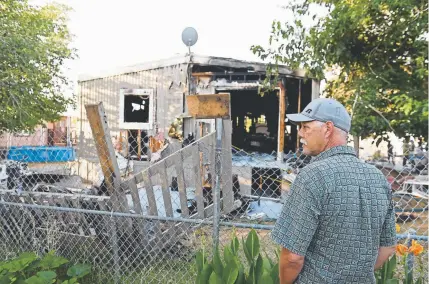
(383, 254)
(290, 266)
(297, 224)
(388, 233)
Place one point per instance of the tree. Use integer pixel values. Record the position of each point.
(379, 51)
(34, 44)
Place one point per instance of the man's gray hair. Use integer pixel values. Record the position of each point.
(343, 133)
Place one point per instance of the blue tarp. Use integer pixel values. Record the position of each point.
(41, 154)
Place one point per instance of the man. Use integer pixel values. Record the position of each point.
(390, 156)
(337, 224)
(405, 151)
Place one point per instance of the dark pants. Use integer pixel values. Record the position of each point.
(404, 160)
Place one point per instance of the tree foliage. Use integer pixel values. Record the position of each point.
(34, 44)
(377, 50)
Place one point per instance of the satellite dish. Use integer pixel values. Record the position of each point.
(189, 37)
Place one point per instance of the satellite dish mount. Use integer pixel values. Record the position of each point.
(189, 37)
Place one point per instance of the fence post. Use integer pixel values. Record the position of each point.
(218, 107)
(216, 191)
(410, 257)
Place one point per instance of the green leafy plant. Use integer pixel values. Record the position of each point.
(385, 275)
(31, 269)
(231, 269)
(259, 269)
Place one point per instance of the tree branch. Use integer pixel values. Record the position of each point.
(382, 116)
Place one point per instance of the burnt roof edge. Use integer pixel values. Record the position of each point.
(196, 60)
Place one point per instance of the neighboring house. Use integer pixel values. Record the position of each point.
(143, 100)
(63, 132)
(38, 138)
(54, 134)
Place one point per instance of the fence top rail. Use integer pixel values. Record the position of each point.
(175, 219)
(52, 194)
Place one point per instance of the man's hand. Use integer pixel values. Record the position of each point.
(290, 266)
(383, 254)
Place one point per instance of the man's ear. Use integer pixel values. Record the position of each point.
(330, 128)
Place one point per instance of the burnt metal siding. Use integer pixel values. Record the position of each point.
(169, 84)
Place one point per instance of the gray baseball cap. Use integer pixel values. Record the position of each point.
(323, 109)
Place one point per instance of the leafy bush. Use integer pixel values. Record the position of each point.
(30, 269)
(231, 269)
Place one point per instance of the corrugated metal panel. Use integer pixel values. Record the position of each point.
(168, 84)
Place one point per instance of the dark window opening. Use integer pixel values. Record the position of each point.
(136, 109)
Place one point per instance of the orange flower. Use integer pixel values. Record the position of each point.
(398, 228)
(416, 248)
(401, 249)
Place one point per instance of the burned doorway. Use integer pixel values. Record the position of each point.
(255, 120)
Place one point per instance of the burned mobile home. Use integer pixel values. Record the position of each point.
(143, 101)
(145, 109)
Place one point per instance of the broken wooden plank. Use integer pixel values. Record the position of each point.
(166, 192)
(281, 129)
(202, 74)
(170, 160)
(167, 197)
(152, 210)
(209, 106)
(137, 207)
(212, 159)
(226, 160)
(151, 200)
(131, 184)
(106, 154)
(180, 172)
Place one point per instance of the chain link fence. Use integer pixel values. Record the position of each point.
(145, 222)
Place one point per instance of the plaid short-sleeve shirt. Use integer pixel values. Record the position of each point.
(337, 214)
